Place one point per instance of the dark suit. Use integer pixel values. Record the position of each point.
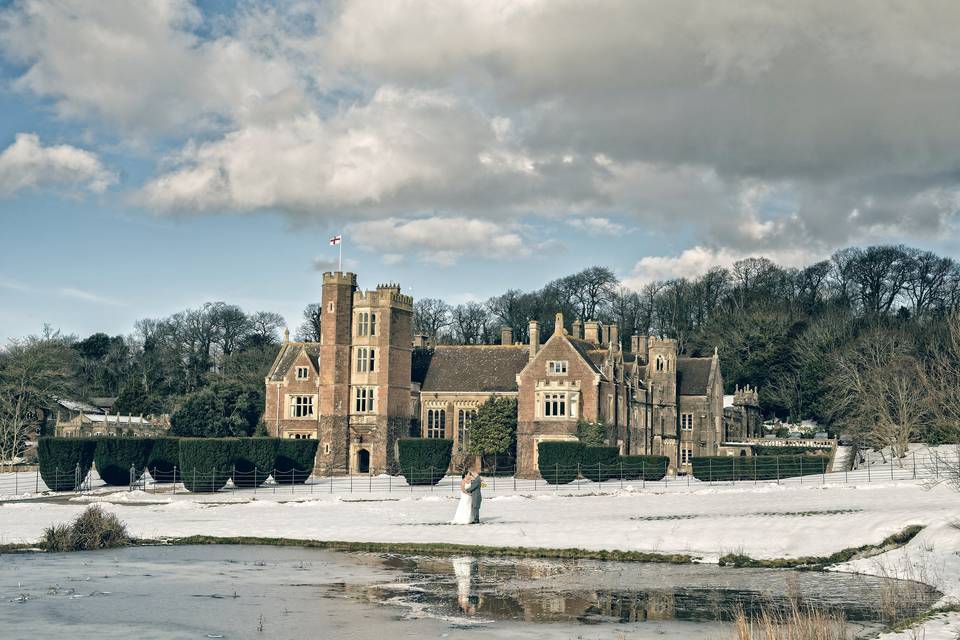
(475, 499)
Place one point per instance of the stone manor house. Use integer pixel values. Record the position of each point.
(370, 381)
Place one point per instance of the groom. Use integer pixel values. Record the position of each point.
(475, 498)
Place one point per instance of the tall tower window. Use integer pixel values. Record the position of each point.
(686, 421)
(363, 323)
(366, 359)
(436, 423)
(373, 324)
(363, 399)
(464, 418)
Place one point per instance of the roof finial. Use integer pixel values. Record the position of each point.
(286, 335)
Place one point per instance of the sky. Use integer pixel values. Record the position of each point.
(158, 155)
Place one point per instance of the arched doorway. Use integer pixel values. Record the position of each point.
(363, 461)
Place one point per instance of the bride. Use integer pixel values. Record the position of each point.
(462, 516)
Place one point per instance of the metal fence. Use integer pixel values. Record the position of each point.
(930, 467)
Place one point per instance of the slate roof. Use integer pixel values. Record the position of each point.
(469, 368)
(694, 374)
(289, 353)
(590, 352)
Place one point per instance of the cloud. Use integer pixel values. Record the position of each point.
(597, 226)
(438, 240)
(86, 296)
(697, 260)
(324, 264)
(27, 164)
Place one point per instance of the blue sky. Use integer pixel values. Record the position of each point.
(155, 156)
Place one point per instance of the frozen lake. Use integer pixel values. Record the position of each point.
(284, 592)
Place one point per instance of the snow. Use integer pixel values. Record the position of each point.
(766, 520)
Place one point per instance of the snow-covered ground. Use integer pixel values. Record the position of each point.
(762, 521)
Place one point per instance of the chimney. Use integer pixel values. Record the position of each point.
(558, 324)
(638, 345)
(591, 331)
(534, 338)
(506, 336)
(605, 334)
(615, 336)
(577, 329)
(420, 341)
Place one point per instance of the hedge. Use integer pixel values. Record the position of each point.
(758, 467)
(600, 463)
(424, 460)
(294, 460)
(644, 467)
(781, 450)
(558, 461)
(164, 460)
(207, 463)
(255, 461)
(114, 457)
(59, 459)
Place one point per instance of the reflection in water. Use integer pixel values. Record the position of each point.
(596, 592)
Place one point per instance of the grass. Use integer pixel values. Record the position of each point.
(797, 623)
(899, 539)
(92, 529)
(437, 548)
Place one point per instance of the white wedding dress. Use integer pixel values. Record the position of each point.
(462, 516)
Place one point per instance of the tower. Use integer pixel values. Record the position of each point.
(334, 388)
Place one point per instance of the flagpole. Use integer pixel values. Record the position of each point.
(340, 245)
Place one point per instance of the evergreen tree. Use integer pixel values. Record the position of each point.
(494, 431)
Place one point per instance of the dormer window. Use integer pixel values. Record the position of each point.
(557, 367)
(303, 373)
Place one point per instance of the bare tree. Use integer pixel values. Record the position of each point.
(430, 316)
(470, 321)
(309, 329)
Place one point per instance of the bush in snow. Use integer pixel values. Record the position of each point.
(600, 463)
(207, 463)
(65, 462)
(758, 467)
(255, 460)
(92, 529)
(558, 461)
(644, 467)
(424, 460)
(163, 459)
(294, 461)
(115, 456)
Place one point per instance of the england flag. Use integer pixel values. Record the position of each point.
(335, 240)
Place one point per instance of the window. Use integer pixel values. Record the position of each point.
(366, 359)
(686, 421)
(436, 423)
(302, 373)
(659, 363)
(464, 418)
(364, 326)
(686, 455)
(363, 397)
(330, 307)
(326, 448)
(554, 405)
(557, 367)
(301, 406)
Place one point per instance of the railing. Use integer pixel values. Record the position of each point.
(930, 467)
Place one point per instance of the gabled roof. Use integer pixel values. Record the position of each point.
(78, 405)
(288, 355)
(469, 368)
(694, 376)
(591, 352)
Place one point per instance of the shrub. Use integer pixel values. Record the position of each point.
(600, 463)
(757, 468)
(254, 462)
(92, 529)
(207, 463)
(294, 461)
(164, 459)
(115, 456)
(59, 459)
(558, 461)
(778, 450)
(644, 467)
(424, 460)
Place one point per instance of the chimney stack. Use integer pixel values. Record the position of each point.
(506, 336)
(420, 341)
(534, 338)
(577, 329)
(615, 336)
(591, 331)
(558, 324)
(605, 334)
(638, 345)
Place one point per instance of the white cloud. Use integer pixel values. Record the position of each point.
(699, 259)
(440, 240)
(27, 164)
(597, 226)
(86, 296)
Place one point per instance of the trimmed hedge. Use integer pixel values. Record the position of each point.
(164, 460)
(652, 468)
(294, 460)
(557, 461)
(207, 463)
(424, 460)
(780, 450)
(114, 457)
(255, 461)
(712, 468)
(600, 463)
(59, 459)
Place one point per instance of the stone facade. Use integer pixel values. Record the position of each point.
(370, 381)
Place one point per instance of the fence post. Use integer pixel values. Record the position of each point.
(578, 475)
(132, 471)
(801, 469)
(76, 478)
(621, 473)
(233, 477)
(778, 469)
(16, 481)
(514, 477)
(891, 464)
(936, 465)
(556, 475)
(868, 470)
(755, 456)
(351, 483)
(37, 488)
(914, 465)
(710, 473)
(174, 479)
(370, 481)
